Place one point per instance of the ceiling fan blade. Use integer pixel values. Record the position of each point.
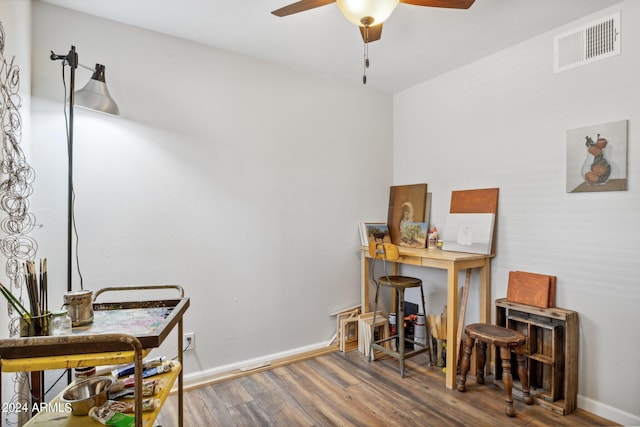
(374, 33)
(452, 4)
(301, 6)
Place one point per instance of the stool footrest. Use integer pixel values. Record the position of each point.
(378, 345)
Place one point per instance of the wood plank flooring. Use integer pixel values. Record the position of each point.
(341, 389)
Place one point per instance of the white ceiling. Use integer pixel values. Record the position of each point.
(417, 43)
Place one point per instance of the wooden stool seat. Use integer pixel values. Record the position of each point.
(403, 282)
(506, 340)
(496, 335)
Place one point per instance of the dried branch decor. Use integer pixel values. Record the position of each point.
(16, 177)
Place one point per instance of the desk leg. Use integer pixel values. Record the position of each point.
(364, 283)
(486, 304)
(393, 306)
(181, 374)
(452, 326)
(485, 292)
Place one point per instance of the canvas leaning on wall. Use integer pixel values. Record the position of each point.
(407, 203)
(469, 232)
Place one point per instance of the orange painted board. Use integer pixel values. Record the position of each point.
(552, 288)
(531, 289)
(475, 201)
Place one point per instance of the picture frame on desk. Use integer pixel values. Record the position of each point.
(367, 230)
(414, 235)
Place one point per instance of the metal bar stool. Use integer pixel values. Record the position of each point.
(506, 340)
(389, 252)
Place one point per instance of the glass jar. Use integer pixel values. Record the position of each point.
(60, 323)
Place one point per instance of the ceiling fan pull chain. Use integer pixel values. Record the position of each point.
(366, 54)
(366, 65)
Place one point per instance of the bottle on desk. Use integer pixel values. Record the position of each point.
(433, 238)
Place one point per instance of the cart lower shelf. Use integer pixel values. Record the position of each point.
(55, 414)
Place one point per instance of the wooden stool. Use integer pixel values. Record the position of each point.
(506, 339)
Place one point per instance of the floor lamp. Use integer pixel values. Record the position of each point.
(94, 96)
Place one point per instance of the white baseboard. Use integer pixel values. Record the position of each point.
(608, 412)
(217, 374)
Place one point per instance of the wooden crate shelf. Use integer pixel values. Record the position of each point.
(552, 350)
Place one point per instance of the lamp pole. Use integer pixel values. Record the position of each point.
(72, 60)
(73, 64)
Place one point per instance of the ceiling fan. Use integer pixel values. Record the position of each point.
(368, 15)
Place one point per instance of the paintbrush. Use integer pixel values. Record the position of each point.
(27, 284)
(41, 289)
(36, 287)
(32, 287)
(45, 285)
(15, 303)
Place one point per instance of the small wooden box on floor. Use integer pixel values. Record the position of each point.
(552, 350)
(347, 331)
(381, 331)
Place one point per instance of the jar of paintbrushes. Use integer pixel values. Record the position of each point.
(35, 326)
(37, 320)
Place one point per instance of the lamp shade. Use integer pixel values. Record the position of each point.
(356, 10)
(95, 95)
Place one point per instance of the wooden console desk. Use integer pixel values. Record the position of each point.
(453, 262)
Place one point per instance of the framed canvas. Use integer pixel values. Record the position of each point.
(407, 203)
(369, 229)
(597, 158)
(414, 234)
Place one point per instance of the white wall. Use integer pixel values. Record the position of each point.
(240, 180)
(502, 122)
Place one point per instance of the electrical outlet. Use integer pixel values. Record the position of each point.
(189, 341)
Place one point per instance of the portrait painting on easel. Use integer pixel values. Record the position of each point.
(597, 158)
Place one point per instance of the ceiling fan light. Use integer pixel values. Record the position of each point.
(356, 10)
